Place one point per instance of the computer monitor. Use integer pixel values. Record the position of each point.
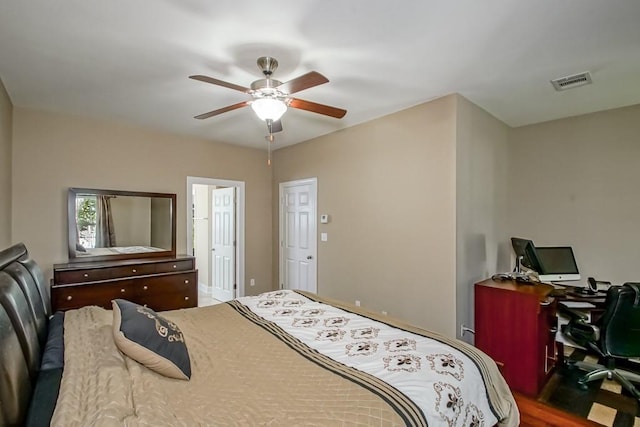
(525, 252)
(557, 264)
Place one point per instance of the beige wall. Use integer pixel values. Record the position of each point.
(576, 182)
(389, 186)
(481, 203)
(6, 125)
(132, 221)
(161, 223)
(52, 152)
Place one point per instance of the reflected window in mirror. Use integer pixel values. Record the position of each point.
(110, 224)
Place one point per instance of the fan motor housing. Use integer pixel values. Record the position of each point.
(267, 86)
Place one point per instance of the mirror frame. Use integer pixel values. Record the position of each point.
(72, 229)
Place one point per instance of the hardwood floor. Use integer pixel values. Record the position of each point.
(537, 414)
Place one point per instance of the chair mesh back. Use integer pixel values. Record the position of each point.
(621, 321)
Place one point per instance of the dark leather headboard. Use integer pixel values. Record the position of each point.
(15, 385)
(18, 253)
(24, 313)
(29, 288)
(15, 304)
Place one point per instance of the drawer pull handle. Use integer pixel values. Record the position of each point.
(135, 271)
(86, 274)
(175, 266)
(145, 287)
(186, 281)
(186, 298)
(122, 291)
(69, 298)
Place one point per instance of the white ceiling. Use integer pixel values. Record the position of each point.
(130, 60)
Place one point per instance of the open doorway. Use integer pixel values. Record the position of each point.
(215, 236)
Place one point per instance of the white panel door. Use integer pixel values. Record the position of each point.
(298, 265)
(223, 249)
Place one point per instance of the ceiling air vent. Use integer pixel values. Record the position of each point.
(564, 83)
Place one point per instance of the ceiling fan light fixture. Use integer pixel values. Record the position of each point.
(269, 108)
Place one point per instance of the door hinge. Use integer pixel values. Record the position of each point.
(235, 286)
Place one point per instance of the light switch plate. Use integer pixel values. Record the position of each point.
(324, 237)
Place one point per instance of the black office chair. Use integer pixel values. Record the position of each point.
(616, 335)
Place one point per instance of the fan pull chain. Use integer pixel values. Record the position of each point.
(269, 139)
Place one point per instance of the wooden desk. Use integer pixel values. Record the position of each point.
(515, 324)
(597, 300)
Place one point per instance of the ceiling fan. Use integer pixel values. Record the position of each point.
(271, 98)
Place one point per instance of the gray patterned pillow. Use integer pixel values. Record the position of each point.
(150, 339)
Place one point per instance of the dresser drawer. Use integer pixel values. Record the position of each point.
(97, 274)
(165, 283)
(171, 301)
(167, 291)
(176, 265)
(81, 276)
(100, 294)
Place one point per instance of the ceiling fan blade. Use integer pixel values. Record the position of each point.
(327, 110)
(274, 127)
(303, 82)
(222, 110)
(211, 80)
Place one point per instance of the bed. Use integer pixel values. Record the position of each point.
(279, 358)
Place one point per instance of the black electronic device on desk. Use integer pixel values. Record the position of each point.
(591, 290)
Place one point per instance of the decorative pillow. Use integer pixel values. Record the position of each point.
(150, 339)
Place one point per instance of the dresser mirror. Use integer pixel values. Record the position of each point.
(112, 225)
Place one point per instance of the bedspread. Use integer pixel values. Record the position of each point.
(256, 362)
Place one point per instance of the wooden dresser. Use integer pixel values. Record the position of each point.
(515, 325)
(159, 283)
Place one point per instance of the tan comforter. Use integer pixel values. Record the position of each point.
(242, 375)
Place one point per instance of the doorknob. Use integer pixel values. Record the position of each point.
(309, 257)
(213, 249)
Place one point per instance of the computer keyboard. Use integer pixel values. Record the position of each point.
(557, 292)
(583, 294)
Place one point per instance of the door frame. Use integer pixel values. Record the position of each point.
(240, 217)
(313, 181)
